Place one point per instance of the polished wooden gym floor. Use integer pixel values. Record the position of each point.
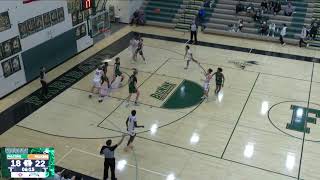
(263, 124)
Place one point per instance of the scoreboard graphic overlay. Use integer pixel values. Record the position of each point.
(27, 162)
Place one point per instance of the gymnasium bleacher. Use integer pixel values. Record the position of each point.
(178, 14)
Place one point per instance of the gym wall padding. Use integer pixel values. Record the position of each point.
(49, 54)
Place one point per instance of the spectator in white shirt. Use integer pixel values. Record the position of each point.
(303, 35)
(272, 29)
(283, 32)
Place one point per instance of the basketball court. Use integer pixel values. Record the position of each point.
(254, 129)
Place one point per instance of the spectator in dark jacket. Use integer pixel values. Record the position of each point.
(270, 6)
(264, 28)
(257, 16)
(239, 7)
(138, 18)
(264, 6)
(135, 17)
(314, 30)
(277, 7)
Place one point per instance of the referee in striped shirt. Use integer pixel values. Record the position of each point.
(109, 160)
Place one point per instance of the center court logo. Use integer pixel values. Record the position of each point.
(294, 118)
(243, 64)
(301, 117)
(163, 91)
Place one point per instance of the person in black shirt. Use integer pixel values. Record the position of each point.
(193, 31)
(239, 7)
(109, 160)
(264, 28)
(43, 81)
(277, 7)
(270, 6)
(314, 30)
(105, 68)
(135, 18)
(264, 6)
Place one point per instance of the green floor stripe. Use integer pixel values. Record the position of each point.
(187, 94)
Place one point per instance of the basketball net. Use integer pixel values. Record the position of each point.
(105, 31)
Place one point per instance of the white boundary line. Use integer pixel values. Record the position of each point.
(186, 42)
(130, 165)
(64, 156)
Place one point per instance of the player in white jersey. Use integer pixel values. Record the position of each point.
(131, 125)
(104, 89)
(96, 82)
(140, 50)
(118, 76)
(134, 46)
(189, 56)
(206, 86)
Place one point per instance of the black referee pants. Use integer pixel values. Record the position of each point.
(109, 162)
(194, 33)
(44, 89)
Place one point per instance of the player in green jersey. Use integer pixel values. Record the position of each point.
(219, 80)
(133, 87)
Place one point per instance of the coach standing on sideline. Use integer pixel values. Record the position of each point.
(193, 31)
(109, 160)
(43, 81)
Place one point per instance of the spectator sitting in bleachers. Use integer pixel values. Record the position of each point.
(308, 36)
(142, 18)
(271, 29)
(288, 10)
(277, 7)
(232, 28)
(314, 30)
(240, 25)
(212, 3)
(270, 6)
(264, 28)
(201, 18)
(310, 27)
(239, 7)
(208, 3)
(250, 8)
(135, 17)
(257, 17)
(138, 18)
(264, 6)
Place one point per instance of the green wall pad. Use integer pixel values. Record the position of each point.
(49, 54)
(186, 95)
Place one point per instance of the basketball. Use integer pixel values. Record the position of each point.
(157, 10)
